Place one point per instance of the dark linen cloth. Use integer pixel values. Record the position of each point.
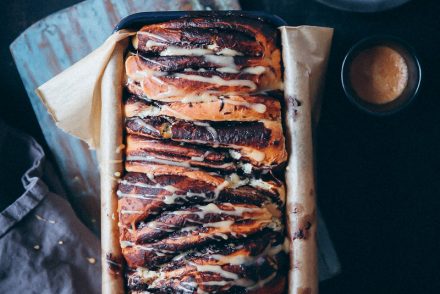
(44, 248)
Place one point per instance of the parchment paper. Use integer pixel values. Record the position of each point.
(85, 101)
(305, 54)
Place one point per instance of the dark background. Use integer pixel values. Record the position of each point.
(378, 177)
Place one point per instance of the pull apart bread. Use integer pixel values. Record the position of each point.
(200, 208)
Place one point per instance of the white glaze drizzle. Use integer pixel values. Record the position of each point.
(125, 244)
(210, 129)
(124, 211)
(158, 160)
(172, 50)
(229, 52)
(257, 107)
(178, 51)
(187, 164)
(234, 154)
(226, 63)
(233, 210)
(151, 35)
(220, 188)
(168, 199)
(145, 125)
(246, 167)
(259, 183)
(200, 158)
(219, 224)
(230, 278)
(255, 70)
(215, 269)
(217, 80)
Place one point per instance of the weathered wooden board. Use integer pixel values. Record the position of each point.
(56, 42)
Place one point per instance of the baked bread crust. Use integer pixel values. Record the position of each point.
(200, 210)
(226, 108)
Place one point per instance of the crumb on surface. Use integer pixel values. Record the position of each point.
(91, 260)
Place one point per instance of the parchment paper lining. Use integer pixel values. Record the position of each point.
(85, 101)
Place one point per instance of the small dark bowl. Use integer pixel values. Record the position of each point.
(414, 75)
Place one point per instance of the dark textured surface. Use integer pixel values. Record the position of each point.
(16, 16)
(378, 178)
(363, 5)
(16, 109)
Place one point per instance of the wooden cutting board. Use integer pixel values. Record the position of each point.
(59, 40)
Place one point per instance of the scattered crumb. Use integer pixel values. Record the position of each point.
(91, 260)
(113, 216)
(117, 174)
(60, 242)
(40, 218)
(37, 247)
(93, 220)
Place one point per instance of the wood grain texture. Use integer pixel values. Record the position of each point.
(56, 42)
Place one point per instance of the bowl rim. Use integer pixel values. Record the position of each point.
(363, 7)
(368, 42)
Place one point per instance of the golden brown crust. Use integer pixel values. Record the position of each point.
(215, 179)
(168, 152)
(246, 267)
(260, 143)
(172, 153)
(217, 62)
(204, 57)
(173, 86)
(199, 209)
(247, 36)
(144, 197)
(163, 169)
(227, 108)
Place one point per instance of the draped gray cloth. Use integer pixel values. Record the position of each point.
(44, 248)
